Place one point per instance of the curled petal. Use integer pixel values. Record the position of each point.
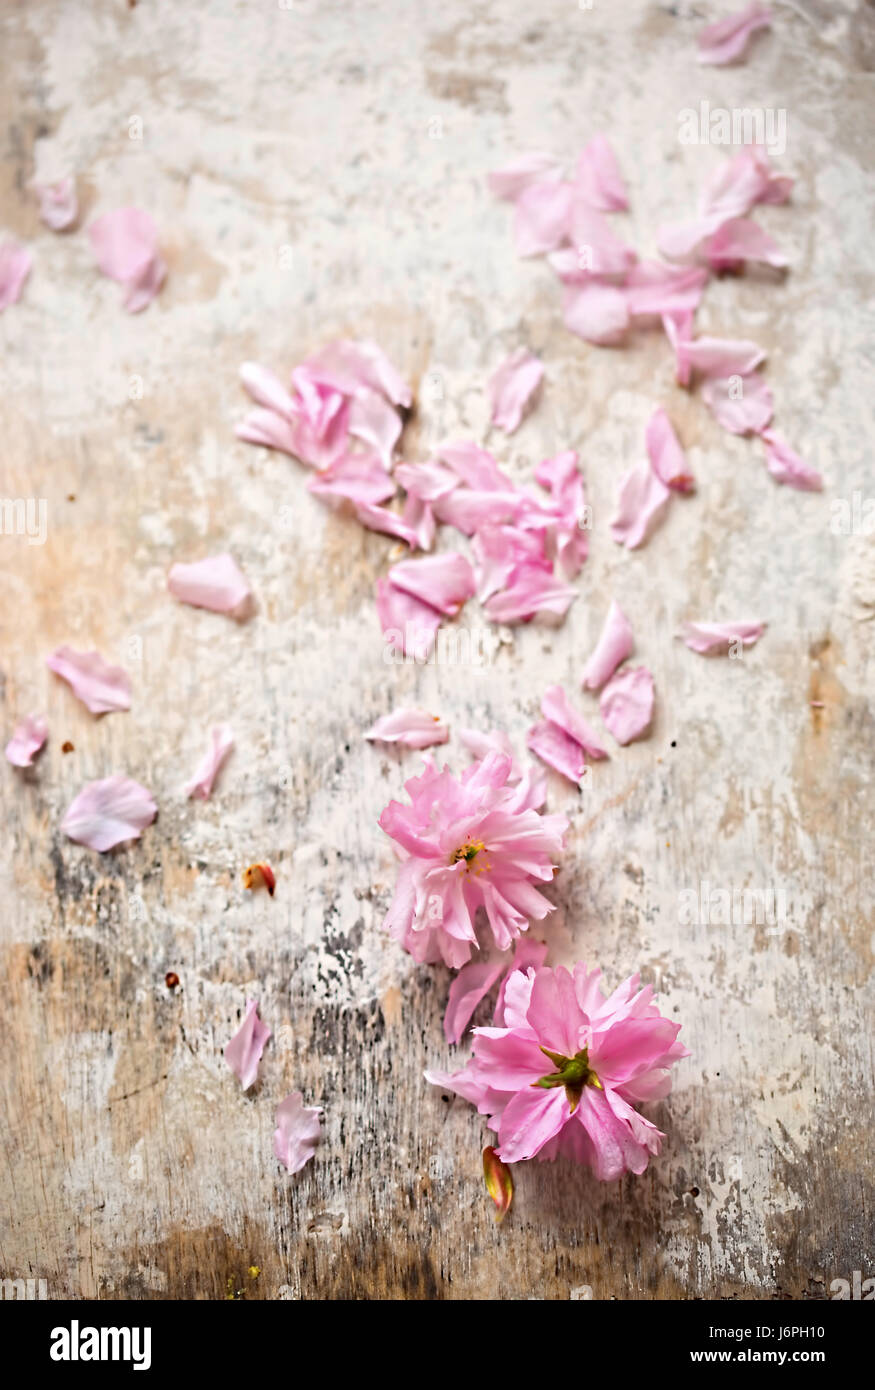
(298, 1131)
(352, 365)
(58, 204)
(101, 688)
(706, 638)
(216, 583)
(469, 986)
(266, 389)
(27, 740)
(125, 243)
(614, 645)
(499, 1182)
(243, 1052)
(720, 357)
(415, 728)
(667, 458)
(626, 703)
(408, 625)
(512, 389)
(727, 39)
(740, 240)
(220, 745)
(541, 217)
(107, 812)
(15, 266)
(598, 178)
(557, 749)
(641, 501)
(359, 478)
(532, 590)
(786, 466)
(259, 876)
(514, 178)
(742, 405)
(556, 708)
(444, 581)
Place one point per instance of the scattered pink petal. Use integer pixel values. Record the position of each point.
(297, 1133)
(642, 498)
(556, 708)
(473, 983)
(679, 331)
(27, 740)
(58, 204)
(444, 581)
(376, 422)
(721, 357)
(614, 645)
(598, 177)
(358, 477)
(532, 590)
(15, 266)
(786, 466)
(742, 405)
(740, 240)
(655, 289)
(626, 703)
(667, 458)
(706, 638)
(348, 366)
(479, 745)
(499, 552)
(470, 510)
(514, 178)
(107, 812)
(220, 745)
(408, 625)
(101, 687)
(541, 217)
(419, 520)
(322, 419)
(475, 467)
(727, 39)
(557, 748)
(243, 1052)
(125, 243)
(600, 251)
(216, 583)
(415, 728)
(266, 389)
(427, 481)
(389, 523)
(597, 313)
(567, 538)
(512, 389)
(271, 430)
(739, 183)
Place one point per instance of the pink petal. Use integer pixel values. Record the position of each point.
(408, 625)
(786, 466)
(297, 1133)
(527, 953)
(387, 523)
(427, 481)
(512, 389)
(599, 250)
(243, 1052)
(216, 583)
(541, 217)
(597, 313)
(614, 645)
(719, 637)
(654, 288)
(220, 745)
(530, 1120)
(415, 728)
(499, 551)
(739, 183)
(558, 749)
(349, 365)
(473, 983)
(479, 745)
(679, 331)
(641, 500)
(15, 265)
(721, 357)
(271, 430)
(727, 39)
(58, 204)
(470, 511)
(742, 405)
(680, 241)
(107, 812)
(444, 581)
(125, 243)
(358, 478)
(740, 240)
(376, 422)
(419, 520)
(27, 740)
(598, 177)
(266, 389)
(514, 178)
(475, 467)
(532, 590)
(101, 687)
(626, 703)
(667, 458)
(556, 708)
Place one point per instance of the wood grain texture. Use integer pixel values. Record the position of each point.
(320, 170)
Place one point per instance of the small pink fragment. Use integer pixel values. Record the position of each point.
(243, 1052)
(557, 748)
(415, 728)
(58, 204)
(297, 1133)
(27, 740)
(408, 625)
(786, 466)
(101, 688)
(514, 178)
(667, 458)
(706, 638)
(15, 266)
(541, 217)
(742, 405)
(512, 389)
(444, 581)
(107, 812)
(598, 177)
(220, 745)
(614, 645)
(727, 39)
(125, 243)
(626, 703)
(216, 583)
(556, 708)
(641, 501)
(473, 983)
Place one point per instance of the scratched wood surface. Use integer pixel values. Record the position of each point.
(318, 169)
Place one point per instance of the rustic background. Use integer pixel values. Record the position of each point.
(317, 169)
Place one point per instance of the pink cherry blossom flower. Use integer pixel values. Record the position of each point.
(565, 1071)
(468, 843)
(27, 740)
(243, 1052)
(298, 1131)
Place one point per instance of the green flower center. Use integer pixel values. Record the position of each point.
(571, 1072)
(468, 851)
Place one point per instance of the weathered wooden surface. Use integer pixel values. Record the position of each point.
(132, 1165)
